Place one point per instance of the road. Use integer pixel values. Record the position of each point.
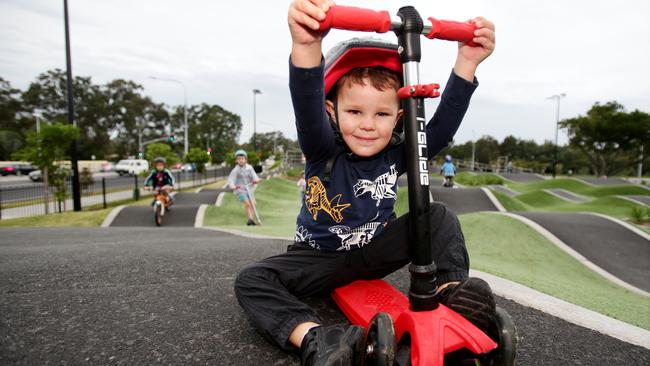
(126, 296)
(18, 189)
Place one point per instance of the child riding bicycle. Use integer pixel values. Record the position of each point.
(161, 179)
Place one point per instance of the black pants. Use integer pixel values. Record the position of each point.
(270, 290)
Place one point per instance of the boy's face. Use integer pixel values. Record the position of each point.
(367, 116)
(241, 160)
(160, 166)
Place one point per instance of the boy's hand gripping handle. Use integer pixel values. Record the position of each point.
(366, 20)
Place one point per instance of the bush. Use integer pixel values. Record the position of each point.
(478, 179)
(640, 215)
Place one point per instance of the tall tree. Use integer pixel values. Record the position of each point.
(14, 124)
(211, 126)
(607, 135)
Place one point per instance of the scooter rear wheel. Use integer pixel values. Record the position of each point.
(380, 341)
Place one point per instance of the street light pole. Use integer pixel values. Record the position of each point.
(185, 129)
(76, 189)
(255, 92)
(557, 98)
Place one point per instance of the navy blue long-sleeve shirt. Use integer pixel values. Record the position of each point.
(356, 204)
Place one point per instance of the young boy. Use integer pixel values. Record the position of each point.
(160, 178)
(346, 113)
(448, 170)
(241, 180)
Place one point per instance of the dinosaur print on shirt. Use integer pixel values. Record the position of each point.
(316, 200)
(359, 236)
(380, 188)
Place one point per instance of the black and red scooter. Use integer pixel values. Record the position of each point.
(416, 330)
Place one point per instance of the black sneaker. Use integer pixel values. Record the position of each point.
(334, 345)
(473, 299)
(250, 222)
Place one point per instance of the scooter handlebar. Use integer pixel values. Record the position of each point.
(366, 20)
(452, 31)
(356, 19)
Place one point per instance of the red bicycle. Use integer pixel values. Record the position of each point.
(415, 330)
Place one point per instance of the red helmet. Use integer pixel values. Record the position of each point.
(359, 52)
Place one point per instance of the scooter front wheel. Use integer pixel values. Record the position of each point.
(380, 341)
(504, 333)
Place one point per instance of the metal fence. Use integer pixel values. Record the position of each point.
(29, 199)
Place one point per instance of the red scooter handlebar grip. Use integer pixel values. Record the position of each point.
(356, 19)
(452, 31)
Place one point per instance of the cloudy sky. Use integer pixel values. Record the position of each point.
(592, 50)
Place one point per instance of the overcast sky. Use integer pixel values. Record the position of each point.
(592, 50)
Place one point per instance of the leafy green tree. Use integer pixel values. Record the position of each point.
(133, 116)
(14, 125)
(210, 126)
(47, 150)
(609, 136)
(198, 157)
(47, 96)
(159, 149)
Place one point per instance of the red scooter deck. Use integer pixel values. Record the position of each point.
(433, 333)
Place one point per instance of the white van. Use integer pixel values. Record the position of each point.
(131, 166)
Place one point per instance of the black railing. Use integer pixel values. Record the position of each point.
(28, 198)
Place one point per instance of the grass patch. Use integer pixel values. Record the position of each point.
(278, 203)
(576, 186)
(471, 179)
(510, 203)
(510, 249)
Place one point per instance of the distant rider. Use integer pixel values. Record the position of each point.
(449, 171)
(241, 177)
(161, 179)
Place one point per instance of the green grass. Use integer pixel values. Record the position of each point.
(471, 179)
(510, 249)
(278, 203)
(510, 203)
(575, 186)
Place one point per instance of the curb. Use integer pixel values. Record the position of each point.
(564, 310)
(497, 204)
(219, 200)
(200, 214)
(635, 230)
(549, 191)
(570, 251)
(112, 215)
(630, 199)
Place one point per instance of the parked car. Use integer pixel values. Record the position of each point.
(188, 168)
(36, 176)
(131, 166)
(16, 169)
